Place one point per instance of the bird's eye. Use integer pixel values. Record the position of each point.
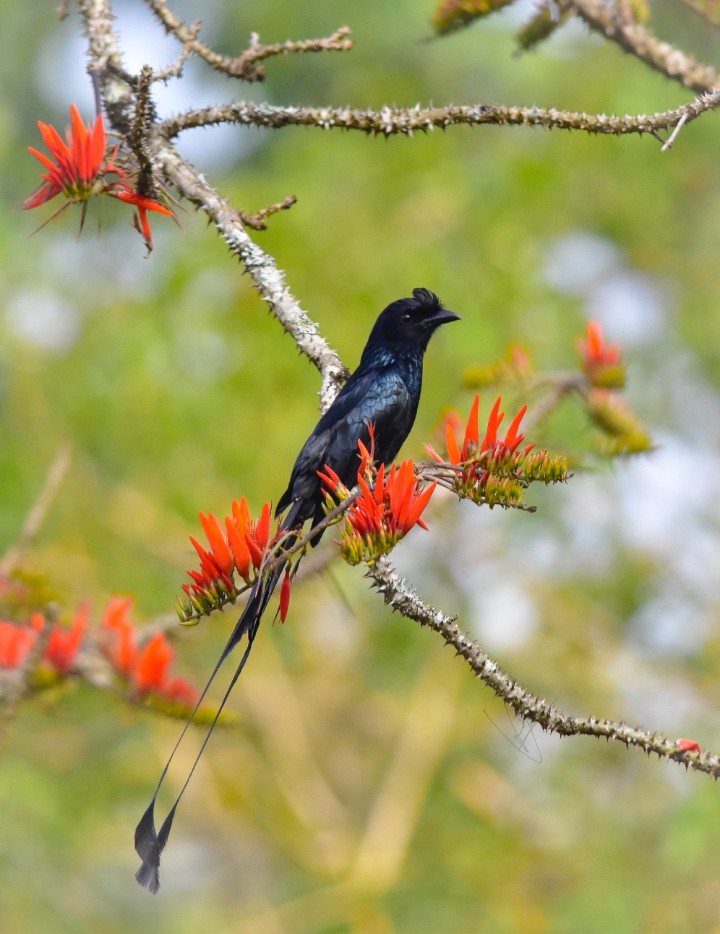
(406, 318)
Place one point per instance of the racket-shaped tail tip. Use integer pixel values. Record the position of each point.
(148, 847)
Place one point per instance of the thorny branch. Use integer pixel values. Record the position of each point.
(269, 280)
(394, 121)
(399, 595)
(118, 91)
(636, 39)
(245, 65)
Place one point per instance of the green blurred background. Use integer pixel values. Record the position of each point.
(371, 784)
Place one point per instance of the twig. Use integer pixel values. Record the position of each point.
(175, 69)
(399, 595)
(561, 385)
(700, 9)
(394, 121)
(244, 66)
(257, 220)
(671, 139)
(39, 510)
(247, 62)
(639, 41)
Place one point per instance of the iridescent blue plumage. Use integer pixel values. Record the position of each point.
(384, 392)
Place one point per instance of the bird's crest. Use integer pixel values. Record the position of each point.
(428, 299)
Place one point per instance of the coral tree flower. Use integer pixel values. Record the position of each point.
(623, 433)
(601, 362)
(143, 204)
(78, 166)
(77, 163)
(146, 668)
(285, 596)
(64, 642)
(389, 504)
(495, 470)
(237, 549)
(16, 643)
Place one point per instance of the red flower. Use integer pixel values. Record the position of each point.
(64, 643)
(121, 647)
(16, 643)
(76, 165)
(78, 168)
(602, 363)
(491, 443)
(125, 193)
(146, 668)
(381, 516)
(285, 596)
(150, 673)
(496, 470)
(237, 545)
(180, 691)
(151, 665)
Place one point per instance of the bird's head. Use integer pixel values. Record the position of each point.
(411, 321)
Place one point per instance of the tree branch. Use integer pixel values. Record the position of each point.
(636, 39)
(36, 516)
(268, 278)
(393, 121)
(399, 596)
(244, 66)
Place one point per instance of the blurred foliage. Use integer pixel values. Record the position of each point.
(372, 784)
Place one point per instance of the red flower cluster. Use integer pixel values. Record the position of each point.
(238, 545)
(496, 470)
(146, 669)
(621, 432)
(79, 168)
(471, 442)
(387, 507)
(601, 362)
(79, 163)
(63, 645)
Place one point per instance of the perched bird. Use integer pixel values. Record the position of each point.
(382, 395)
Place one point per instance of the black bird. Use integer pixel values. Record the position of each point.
(383, 392)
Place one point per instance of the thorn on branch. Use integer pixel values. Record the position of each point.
(175, 70)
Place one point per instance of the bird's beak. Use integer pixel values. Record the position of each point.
(444, 316)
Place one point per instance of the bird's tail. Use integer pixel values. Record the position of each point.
(149, 843)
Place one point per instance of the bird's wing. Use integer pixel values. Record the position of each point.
(377, 396)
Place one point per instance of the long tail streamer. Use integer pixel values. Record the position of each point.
(149, 843)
